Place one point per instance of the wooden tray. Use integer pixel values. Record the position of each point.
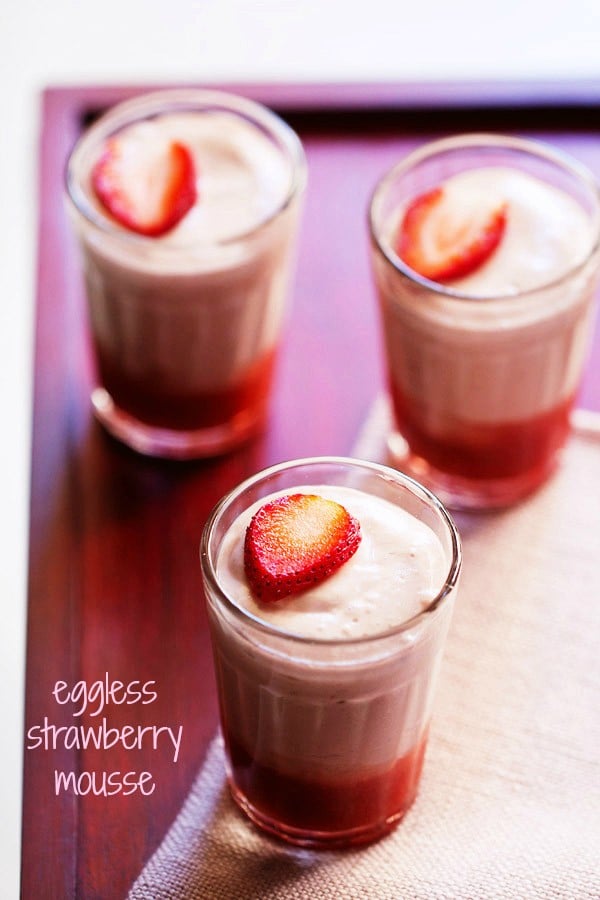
(114, 579)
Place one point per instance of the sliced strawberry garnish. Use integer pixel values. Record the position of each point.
(146, 185)
(295, 541)
(443, 242)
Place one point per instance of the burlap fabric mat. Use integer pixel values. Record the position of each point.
(509, 805)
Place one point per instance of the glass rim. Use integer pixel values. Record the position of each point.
(386, 472)
(147, 105)
(485, 140)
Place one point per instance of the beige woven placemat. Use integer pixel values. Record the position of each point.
(509, 806)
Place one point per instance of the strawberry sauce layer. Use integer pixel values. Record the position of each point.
(361, 800)
(486, 450)
(147, 398)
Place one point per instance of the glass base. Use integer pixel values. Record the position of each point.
(311, 838)
(462, 493)
(167, 443)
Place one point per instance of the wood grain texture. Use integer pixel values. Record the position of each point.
(114, 580)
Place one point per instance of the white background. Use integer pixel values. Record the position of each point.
(66, 42)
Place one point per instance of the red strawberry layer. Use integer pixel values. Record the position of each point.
(296, 541)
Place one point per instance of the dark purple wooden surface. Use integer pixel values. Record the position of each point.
(114, 580)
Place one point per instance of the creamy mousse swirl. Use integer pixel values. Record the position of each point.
(547, 231)
(398, 569)
(241, 175)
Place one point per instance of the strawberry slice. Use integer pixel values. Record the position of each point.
(295, 541)
(443, 243)
(146, 185)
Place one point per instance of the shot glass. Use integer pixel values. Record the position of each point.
(185, 326)
(482, 385)
(325, 738)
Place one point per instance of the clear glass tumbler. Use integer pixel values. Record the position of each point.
(482, 386)
(186, 326)
(325, 739)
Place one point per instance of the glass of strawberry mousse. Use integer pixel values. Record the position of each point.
(330, 584)
(186, 206)
(485, 254)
